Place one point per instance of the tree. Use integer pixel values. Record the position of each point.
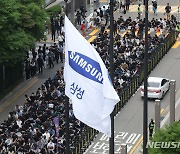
(168, 134)
(33, 17)
(22, 23)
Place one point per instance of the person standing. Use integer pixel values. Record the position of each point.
(78, 16)
(61, 49)
(56, 53)
(83, 29)
(40, 63)
(61, 39)
(51, 147)
(33, 67)
(151, 128)
(139, 11)
(168, 11)
(53, 32)
(50, 59)
(155, 7)
(86, 23)
(107, 16)
(61, 20)
(178, 27)
(141, 29)
(115, 27)
(27, 68)
(44, 51)
(46, 61)
(127, 4)
(94, 17)
(120, 5)
(103, 23)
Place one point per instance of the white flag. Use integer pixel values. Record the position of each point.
(87, 82)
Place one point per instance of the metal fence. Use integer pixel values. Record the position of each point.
(9, 75)
(89, 134)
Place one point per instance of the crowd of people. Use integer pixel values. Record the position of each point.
(44, 57)
(31, 129)
(129, 48)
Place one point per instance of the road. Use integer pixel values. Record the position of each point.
(17, 96)
(128, 123)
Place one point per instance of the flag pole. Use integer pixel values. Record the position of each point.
(67, 123)
(145, 110)
(111, 140)
(66, 106)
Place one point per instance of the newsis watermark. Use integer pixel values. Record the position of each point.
(163, 145)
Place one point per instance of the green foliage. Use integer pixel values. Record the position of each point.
(39, 3)
(22, 23)
(168, 134)
(54, 10)
(33, 20)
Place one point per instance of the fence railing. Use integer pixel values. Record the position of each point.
(88, 136)
(9, 75)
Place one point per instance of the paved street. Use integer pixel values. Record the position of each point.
(128, 123)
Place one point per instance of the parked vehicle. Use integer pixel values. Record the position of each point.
(157, 87)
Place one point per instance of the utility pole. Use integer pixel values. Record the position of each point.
(66, 105)
(145, 110)
(66, 11)
(111, 141)
(72, 11)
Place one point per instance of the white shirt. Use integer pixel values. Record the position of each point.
(60, 38)
(120, 81)
(19, 123)
(47, 51)
(94, 14)
(47, 134)
(50, 146)
(62, 29)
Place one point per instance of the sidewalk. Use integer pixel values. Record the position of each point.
(61, 2)
(164, 122)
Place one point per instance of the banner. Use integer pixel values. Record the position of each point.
(56, 123)
(87, 82)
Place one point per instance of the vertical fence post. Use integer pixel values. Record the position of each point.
(172, 101)
(157, 114)
(4, 77)
(123, 149)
